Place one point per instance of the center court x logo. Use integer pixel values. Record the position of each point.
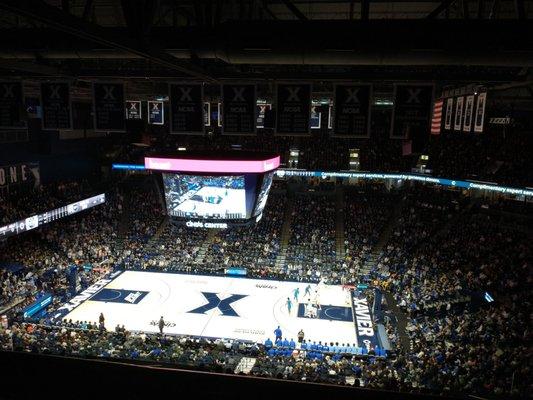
(224, 306)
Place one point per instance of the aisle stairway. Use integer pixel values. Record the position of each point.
(339, 222)
(384, 238)
(401, 321)
(209, 240)
(154, 240)
(286, 232)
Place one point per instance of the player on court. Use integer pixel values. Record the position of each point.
(296, 293)
(307, 290)
(316, 299)
(289, 304)
(310, 310)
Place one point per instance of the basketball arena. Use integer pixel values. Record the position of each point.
(267, 199)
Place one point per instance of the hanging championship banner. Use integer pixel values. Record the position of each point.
(412, 109)
(238, 108)
(218, 115)
(436, 119)
(261, 111)
(133, 110)
(316, 117)
(449, 113)
(109, 107)
(156, 113)
(293, 108)
(352, 110)
(469, 110)
(187, 108)
(207, 114)
(458, 122)
(480, 112)
(57, 110)
(11, 105)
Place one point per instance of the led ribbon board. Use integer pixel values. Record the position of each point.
(35, 221)
(378, 175)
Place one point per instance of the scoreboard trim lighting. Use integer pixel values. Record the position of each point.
(212, 166)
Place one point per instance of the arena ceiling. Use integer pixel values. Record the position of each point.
(214, 40)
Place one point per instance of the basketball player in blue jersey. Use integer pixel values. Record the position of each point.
(307, 290)
(296, 293)
(289, 304)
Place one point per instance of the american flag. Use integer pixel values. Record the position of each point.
(437, 117)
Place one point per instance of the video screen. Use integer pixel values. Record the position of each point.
(263, 194)
(205, 197)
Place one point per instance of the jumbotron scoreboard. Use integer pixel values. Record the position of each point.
(206, 190)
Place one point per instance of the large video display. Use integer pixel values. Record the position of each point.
(263, 194)
(208, 196)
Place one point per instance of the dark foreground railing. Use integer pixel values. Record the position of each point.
(39, 376)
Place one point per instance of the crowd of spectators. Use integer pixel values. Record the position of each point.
(493, 157)
(312, 245)
(255, 247)
(442, 247)
(366, 212)
(25, 200)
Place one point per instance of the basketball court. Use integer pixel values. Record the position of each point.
(216, 307)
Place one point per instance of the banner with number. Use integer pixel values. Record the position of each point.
(469, 111)
(352, 110)
(238, 108)
(11, 105)
(480, 112)
(293, 108)
(156, 113)
(412, 110)
(57, 110)
(458, 122)
(449, 114)
(187, 108)
(109, 107)
(133, 110)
